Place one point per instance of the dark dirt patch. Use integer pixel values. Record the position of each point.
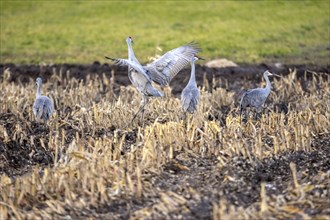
(27, 146)
(202, 182)
(27, 73)
(19, 156)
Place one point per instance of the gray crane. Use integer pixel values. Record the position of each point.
(161, 71)
(141, 81)
(43, 106)
(256, 97)
(165, 68)
(190, 95)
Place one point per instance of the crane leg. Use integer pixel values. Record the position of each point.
(45, 125)
(142, 112)
(185, 119)
(141, 109)
(257, 113)
(243, 115)
(146, 101)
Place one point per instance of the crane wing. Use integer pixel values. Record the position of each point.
(163, 70)
(254, 98)
(129, 63)
(48, 108)
(43, 108)
(38, 107)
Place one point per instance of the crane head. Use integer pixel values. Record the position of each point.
(195, 58)
(38, 81)
(268, 73)
(129, 40)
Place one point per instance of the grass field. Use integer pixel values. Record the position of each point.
(91, 162)
(245, 32)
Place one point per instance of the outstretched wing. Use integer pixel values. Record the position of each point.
(129, 63)
(163, 70)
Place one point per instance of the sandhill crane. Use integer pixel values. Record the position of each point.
(161, 71)
(190, 95)
(43, 107)
(142, 82)
(256, 97)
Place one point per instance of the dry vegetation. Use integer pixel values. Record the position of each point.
(91, 161)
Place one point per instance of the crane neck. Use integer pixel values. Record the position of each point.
(268, 85)
(130, 51)
(38, 91)
(192, 80)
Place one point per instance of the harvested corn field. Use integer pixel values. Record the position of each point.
(91, 161)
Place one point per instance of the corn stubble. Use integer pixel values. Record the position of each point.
(99, 157)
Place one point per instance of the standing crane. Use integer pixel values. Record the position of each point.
(256, 97)
(43, 106)
(161, 71)
(190, 95)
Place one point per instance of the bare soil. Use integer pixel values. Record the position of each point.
(234, 75)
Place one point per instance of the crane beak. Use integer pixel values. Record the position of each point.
(273, 74)
(201, 58)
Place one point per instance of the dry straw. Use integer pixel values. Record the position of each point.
(97, 158)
